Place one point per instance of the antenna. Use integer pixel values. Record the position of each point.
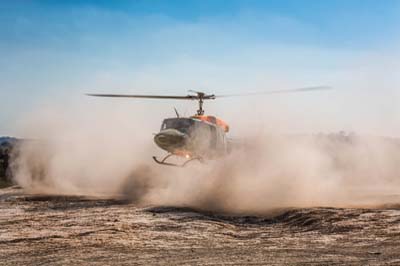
(176, 112)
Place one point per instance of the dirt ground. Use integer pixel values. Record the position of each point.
(60, 230)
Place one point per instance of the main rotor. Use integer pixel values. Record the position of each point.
(202, 96)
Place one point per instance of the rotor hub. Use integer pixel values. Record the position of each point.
(201, 96)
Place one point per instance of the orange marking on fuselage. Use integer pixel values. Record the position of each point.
(214, 120)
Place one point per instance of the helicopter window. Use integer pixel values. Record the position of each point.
(180, 124)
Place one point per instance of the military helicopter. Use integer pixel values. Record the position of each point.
(199, 137)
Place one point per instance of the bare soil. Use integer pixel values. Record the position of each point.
(64, 230)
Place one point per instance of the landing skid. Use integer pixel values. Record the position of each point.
(163, 161)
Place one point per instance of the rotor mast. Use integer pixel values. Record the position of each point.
(200, 111)
(201, 96)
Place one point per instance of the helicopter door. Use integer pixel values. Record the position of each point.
(213, 137)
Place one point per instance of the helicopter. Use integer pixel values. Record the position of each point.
(198, 137)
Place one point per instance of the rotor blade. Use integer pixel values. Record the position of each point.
(305, 89)
(188, 97)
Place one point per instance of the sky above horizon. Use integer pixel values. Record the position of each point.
(54, 51)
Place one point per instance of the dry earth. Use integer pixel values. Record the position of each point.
(60, 230)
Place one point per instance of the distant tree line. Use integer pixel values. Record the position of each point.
(5, 153)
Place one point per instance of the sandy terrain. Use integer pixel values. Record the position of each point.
(59, 230)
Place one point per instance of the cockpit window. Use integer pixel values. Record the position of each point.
(181, 124)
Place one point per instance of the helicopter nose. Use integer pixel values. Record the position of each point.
(170, 139)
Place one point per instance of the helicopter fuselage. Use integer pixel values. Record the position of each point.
(192, 137)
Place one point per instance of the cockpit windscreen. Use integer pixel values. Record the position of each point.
(181, 124)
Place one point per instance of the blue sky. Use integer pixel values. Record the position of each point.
(56, 50)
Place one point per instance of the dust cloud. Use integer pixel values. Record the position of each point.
(280, 171)
(106, 152)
